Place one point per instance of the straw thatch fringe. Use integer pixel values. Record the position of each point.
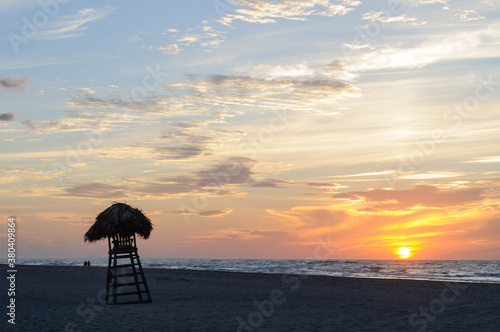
(119, 219)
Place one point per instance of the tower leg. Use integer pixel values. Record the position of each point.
(108, 279)
(115, 277)
(135, 273)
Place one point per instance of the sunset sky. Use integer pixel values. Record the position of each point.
(338, 129)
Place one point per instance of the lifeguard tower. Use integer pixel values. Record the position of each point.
(125, 282)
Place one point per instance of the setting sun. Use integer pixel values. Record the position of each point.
(404, 252)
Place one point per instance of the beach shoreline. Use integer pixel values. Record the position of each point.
(65, 298)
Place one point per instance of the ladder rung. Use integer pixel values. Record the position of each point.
(130, 293)
(133, 302)
(129, 283)
(124, 255)
(123, 251)
(125, 265)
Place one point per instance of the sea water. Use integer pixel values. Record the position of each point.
(470, 271)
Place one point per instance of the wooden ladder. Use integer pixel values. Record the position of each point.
(125, 280)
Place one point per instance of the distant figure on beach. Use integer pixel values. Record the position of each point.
(86, 263)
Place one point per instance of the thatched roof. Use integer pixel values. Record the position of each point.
(120, 219)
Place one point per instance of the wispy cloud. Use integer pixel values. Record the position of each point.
(48, 126)
(432, 175)
(466, 15)
(238, 234)
(294, 94)
(423, 195)
(218, 179)
(461, 45)
(202, 37)
(170, 49)
(7, 117)
(71, 26)
(263, 11)
(10, 83)
(379, 16)
(205, 214)
(493, 159)
(20, 174)
(278, 71)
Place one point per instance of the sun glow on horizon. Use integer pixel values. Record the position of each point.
(404, 252)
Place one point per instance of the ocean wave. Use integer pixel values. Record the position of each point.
(471, 271)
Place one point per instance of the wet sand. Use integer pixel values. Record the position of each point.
(72, 299)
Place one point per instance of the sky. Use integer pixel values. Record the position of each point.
(323, 129)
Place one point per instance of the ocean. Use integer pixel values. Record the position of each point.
(465, 271)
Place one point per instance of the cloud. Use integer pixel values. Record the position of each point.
(205, 214)
(22, 174)
(423, 195)
(10, 83)
(182, 151)
(297, 92)
(71, 26)
(319, 188)
(218, 179)
(191, 139)
(263, 11)
(369, 174)
(87, 90)
(185, 140)
(170, 49)
(465, 15)
(238, 234)
(189, 39)
(336, 65)
(239, 93)
(453, 46)
(289, 87)
(97, 190)
(50, 126)
(7, 117)
(279, 71)
(202, 37)
(379, 16)
(294, 85)
(493, 159)
(424, 2)
(314, 217)
(431, 175)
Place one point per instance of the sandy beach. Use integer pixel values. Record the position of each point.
(72, 299)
